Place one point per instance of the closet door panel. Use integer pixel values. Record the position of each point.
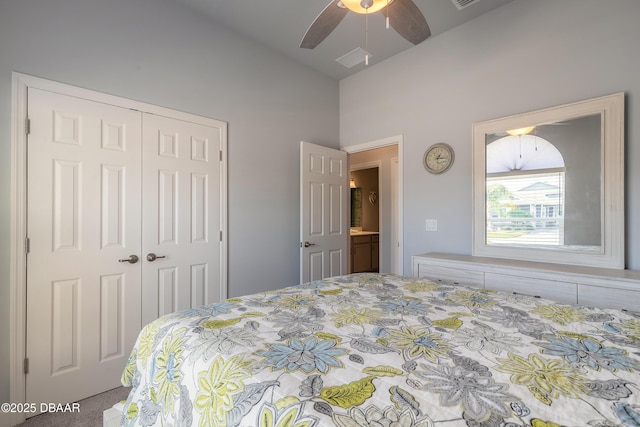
(83, 217)
(181, 215)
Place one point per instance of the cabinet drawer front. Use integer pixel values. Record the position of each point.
(595, 296)
(360, 239)
(558, 291)
(465, 277)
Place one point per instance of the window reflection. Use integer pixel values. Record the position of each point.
(525, 190)
(525, 209)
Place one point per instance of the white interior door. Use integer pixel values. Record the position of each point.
(181, 211)
(324, 210)
(83, 216)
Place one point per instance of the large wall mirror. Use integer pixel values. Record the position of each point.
(548, 185)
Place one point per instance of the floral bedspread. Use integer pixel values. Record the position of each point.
(371, 350)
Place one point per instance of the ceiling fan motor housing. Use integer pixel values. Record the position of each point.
(366, 4)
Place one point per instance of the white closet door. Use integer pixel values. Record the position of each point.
(181, 211)
(83, 216)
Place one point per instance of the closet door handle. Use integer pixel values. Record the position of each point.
(307, 244)
(152, 257)
(131, 260)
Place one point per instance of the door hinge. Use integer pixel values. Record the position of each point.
(221, 235)
(220, 154)
(27, 126)
(26, 365)
(27, 245)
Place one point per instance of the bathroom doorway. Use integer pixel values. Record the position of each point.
(380, 220)
(365, 219)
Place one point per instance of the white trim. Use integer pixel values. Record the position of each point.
(224, 214)
(65, 89)
(396, 265)
(18, 202)
(372, 145)
(18, 262)
(380, 143)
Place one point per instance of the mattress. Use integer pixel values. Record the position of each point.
(380, 350)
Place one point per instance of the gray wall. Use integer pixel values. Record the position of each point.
(520, 57)
(158, 52)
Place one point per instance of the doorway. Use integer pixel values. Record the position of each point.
(384, 156)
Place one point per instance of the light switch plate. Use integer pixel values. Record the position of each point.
(432, 225)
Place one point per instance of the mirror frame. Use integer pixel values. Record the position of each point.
(611, 253)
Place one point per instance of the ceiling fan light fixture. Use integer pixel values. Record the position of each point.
(359, 6)
(521, 131)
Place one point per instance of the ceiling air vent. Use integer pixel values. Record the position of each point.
(461, 4)
(354, 57)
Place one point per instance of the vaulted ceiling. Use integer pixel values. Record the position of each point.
(281, 24)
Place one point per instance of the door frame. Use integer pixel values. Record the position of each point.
(380, 143)
(396, 260)
(18, 208)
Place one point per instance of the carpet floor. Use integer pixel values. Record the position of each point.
(90, 414)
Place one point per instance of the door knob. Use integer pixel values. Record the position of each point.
(152, 257)
(131, 260)
(307, 244)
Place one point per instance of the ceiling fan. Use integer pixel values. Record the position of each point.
(402, 15)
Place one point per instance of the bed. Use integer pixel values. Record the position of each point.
(380, 350)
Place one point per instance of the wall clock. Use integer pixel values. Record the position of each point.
(438, 158)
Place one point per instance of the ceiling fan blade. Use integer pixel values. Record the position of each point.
(324, 24)
(407, 20)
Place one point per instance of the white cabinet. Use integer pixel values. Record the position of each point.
(609, 297)
(551, 289)
(568, 284)
(446, 273)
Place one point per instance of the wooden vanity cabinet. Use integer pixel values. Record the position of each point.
(364, 253)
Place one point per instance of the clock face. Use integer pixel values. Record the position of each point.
(438, 158)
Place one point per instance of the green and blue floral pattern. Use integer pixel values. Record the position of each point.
(375, 350)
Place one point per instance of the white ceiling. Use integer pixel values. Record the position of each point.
(281, 24)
